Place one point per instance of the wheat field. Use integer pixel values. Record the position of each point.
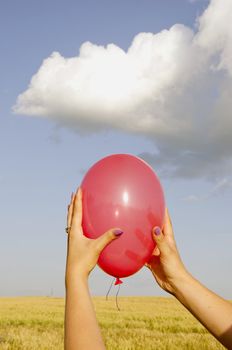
(36, 323)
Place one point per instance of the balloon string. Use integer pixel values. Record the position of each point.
(117, 297)
(109, 289)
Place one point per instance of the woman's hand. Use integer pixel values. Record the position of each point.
(83, 253)
(81, 326)
(214, 312)
(165, 263)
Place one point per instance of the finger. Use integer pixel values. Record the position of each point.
(161, 241)
(77, 209)
(156, 251)
(107, 237)
(167, 229)
(70, 211)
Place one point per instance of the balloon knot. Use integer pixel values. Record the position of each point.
(117, 281)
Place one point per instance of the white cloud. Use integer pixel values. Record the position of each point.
(193, 1)
(191, 198)
(222, 186)
(173, 87)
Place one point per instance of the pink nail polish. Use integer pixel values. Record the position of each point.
(157, 231)
(118, 232)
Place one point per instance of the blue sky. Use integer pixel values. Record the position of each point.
(43, 159)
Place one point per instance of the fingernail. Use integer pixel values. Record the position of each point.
(157, 231)
(118, 232)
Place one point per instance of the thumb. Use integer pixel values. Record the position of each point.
(160, 240)
(107, 237)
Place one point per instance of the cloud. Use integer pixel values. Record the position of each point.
(193, 1)
(173, 87)
(223, 186)
(191, 198)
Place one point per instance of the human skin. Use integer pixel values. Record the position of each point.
(81, 327)
(214, 312)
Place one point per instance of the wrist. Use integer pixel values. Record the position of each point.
(74, 277)
(180, 282)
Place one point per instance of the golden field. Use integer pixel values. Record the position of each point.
(30, 323)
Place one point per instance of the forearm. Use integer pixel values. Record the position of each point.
(212, 311)
(81, 327)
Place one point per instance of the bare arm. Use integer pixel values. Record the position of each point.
(214, 312)
(81, 327)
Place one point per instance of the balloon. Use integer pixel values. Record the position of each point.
(122, 191)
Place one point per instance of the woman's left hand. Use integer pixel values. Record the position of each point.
(83, 252)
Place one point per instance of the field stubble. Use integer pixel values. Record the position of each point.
(143, 323)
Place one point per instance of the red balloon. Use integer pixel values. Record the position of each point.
(123, 191)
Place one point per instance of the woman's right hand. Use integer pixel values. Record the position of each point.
(214, 312)
(165, 262)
